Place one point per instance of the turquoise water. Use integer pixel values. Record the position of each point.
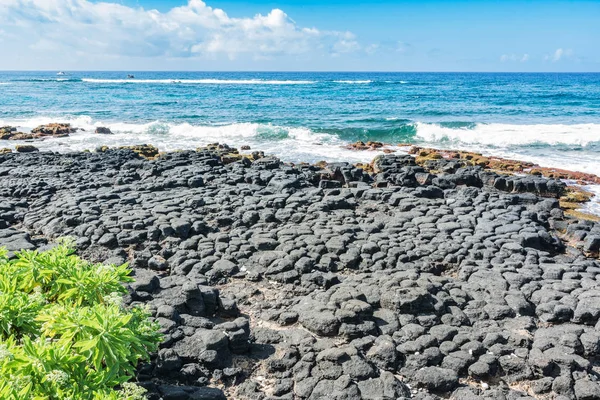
(552, 119)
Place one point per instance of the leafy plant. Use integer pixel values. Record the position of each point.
(64, 333)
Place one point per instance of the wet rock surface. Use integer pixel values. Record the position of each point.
(43, 131)
(274, 281)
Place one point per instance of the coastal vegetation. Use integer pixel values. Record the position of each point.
(64, 332)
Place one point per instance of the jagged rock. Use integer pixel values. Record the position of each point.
(103, 130)
(53, 129)
(144, 150)
(25, 148)
(325, 280)
(437, 379)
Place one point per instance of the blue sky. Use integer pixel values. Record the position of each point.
(428, 35)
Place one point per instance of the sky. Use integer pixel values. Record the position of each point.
(308, 35)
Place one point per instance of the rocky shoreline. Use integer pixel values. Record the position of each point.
(391, 280)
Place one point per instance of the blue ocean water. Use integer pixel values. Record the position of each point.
(551, 119)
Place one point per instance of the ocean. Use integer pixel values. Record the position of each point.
(550, 119)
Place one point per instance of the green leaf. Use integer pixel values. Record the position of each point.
(60, 338)
(87, 345)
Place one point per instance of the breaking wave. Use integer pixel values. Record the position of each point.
(505, 135)
(203, 81)
(563, 146)
(355, 82)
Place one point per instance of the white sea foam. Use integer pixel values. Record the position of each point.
(354, 82)
(520, 142)
(512, 135)
(592, 206)
(50, 80)
(203, 81)
(304, 144)
(290, 143)
(4, 83)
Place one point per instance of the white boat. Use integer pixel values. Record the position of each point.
(61, 73)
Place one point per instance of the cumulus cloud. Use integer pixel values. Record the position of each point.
(193, 30)
(514, 57)
(345, 44)
(559, 54)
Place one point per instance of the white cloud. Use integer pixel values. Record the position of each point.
(514, 57)
(346, 43)
(559, 54)
(403, 47)
(194, 30)
(372, 48)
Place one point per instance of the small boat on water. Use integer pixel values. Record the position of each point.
(60, 73)
(130, 76)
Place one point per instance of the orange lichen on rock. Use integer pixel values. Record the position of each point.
(469, 158)
(582, 215)
(360, 145)
(321, 164)
(501, 164)
(574, 197)
(53, 129)
(505, 165)
(557, 173)
(42, 131)
(144, 150)
(368, 168)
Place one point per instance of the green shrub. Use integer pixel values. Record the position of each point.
(64, 333)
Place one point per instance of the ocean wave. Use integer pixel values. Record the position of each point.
(289, 143)
(49, 80)
(156, 129)
(509, 135)
(398, 132)
(209, 81)
(572, 147)
(203, 81)
(354, 82)
(384, 128)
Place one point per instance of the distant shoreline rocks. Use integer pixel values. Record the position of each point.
(54, 130)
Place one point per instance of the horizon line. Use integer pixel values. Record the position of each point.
(302, 71)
